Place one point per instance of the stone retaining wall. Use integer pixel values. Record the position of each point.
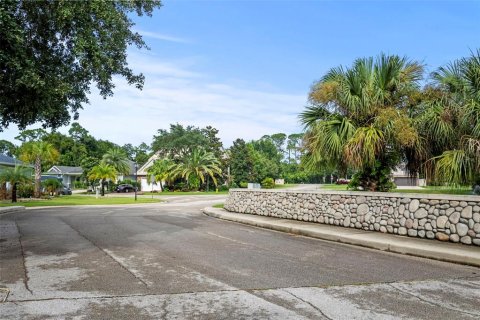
(444, 217)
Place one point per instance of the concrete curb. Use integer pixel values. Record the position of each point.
(431, 249)
(5, 210)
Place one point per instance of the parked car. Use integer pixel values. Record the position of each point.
(64, 190)
(125, 188)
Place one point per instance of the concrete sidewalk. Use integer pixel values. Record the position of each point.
(432, 249)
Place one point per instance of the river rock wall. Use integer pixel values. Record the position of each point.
(441, 217)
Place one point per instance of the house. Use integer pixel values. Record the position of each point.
(68, 174)
(131, 172)
(142, 175)
(402, 178)
(7, 161)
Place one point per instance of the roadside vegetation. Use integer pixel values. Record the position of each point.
(429, 190)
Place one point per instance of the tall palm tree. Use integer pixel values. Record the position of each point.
(450, 122)
(38, 152)
(194, 167)
(160, 171)
(103, 172)
(118, 159)
(15, 176)
(358, 117)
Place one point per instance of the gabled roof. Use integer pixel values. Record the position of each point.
(9, 161)
(65, 170)
(142, 171)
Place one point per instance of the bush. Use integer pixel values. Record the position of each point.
(79, 185)
(233, 185)
(476, 190)
(51, 185)
(25, 191)
(268, 183)
(223, 188)
(243, 184)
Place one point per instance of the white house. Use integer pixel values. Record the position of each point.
(401, 178)
(142, 175)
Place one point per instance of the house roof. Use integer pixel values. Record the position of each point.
(142, 171)
(9, 161)
(66, 170)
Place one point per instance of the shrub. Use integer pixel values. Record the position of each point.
(52, 185)
(223, 188)
(25, 191)
(79, 185)
(268, 183)
(233, 185)
(243, 184)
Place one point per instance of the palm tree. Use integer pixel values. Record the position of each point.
(52, 185)
(194, 167)
(15, 176)
(38, 152)
(450, 122)
(358, 118)
(103, 172)
(117, 158)
(160, 171)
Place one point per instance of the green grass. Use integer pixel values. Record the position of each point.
(184, 193)
(285, 186)
(78, 200)
(430, 190)
(218, 205)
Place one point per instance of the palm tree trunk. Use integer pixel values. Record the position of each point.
(103, 187)
(14, 192)
(3, 191)
(38, 176)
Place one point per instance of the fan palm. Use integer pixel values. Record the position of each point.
(117, 158)
(15, 176)
(38, 152)
(194, 167)
(103, 172)
(450, 123)
(358, 116)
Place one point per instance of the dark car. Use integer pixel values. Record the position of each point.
(125, 188)
(64, 190)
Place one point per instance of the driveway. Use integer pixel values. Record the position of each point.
(169, 261)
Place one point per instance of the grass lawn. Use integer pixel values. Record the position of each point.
(218, 205)
(78, 200)
(184, 193)
(430, 190)
(285, 186)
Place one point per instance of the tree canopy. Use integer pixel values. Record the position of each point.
(52, 51)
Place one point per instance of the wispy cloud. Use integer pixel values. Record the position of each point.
(175, 93)
(162, 36)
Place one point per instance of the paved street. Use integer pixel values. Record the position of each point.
(169, 261)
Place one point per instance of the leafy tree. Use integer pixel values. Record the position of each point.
(264, 166)
(139, 154)
(358, 117)
(38, 152)
(180, 141)
(52, 51)
(117, 158)
(31, 135)
(194, 167)
(15, 176)
(241, 164)
(293, 145)
(103, 172)
(278, 140)
(8, 148)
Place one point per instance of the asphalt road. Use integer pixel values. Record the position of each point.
(169, 261)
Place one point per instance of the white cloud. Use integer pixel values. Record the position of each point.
(173, 92)
(161, 36)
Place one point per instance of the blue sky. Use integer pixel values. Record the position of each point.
(245, 67)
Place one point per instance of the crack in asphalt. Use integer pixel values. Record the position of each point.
(430, 302)
(26, 277)
(310, 304)
(107, 254)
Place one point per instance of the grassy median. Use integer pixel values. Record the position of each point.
(76, 200)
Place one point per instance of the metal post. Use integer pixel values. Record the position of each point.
(136, 180)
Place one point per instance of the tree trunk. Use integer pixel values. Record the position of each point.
(14, 192)
(38, 177)
(103, 187)
(3, 191)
